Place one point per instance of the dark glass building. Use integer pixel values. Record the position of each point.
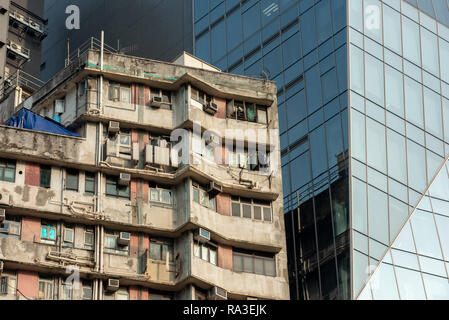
(150, 28)
(364, 126)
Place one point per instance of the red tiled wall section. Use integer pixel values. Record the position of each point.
(224, 204)
(225, 257)
(31, 229)
(27, 284)
(32, 174)
(221, 104)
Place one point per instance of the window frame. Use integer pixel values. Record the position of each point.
(242, 114)
(48, 225)
(126, 88)
(160, 189)
(68, 243)
(7, 165)
(113, 181)
(253, 203)
(43, 171)
(89, 231)
(117, 250)
(5, 227)
(253, 256)
(90, 177)
(70, 173)
(200, 247)
(211, 202)
(162, 243)
(200, 96)
(46, 282)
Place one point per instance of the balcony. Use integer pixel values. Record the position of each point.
(245, 284)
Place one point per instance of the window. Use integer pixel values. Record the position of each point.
(82, 88)
(89, 237)
(45, 288)
(4, 285)
(154, 296)
(69, 236)
(251, 209)
(89, 183)
(246, 111)
(200, 96)
(45, 176)
(7, 170)
(11, 228)
(201, 196)
(87, 290)
(71, 180)
(119, 92)
(159, 249)
(165, 95)
(205, 251)
(111, 245)
(121, 294)
(250, 262)
(161, 195)
(67, 291)
(48, 232)
(248, 160)
(113, 189)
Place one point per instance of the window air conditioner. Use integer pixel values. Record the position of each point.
(214, 188)
(149, 154)
(124, 239)
(203, 235)
(114, 127)
(210, 107)
(156, 102)
(217, 293)
(125, 179)
(113, 285)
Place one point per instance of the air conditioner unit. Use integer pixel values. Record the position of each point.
(156, 102)
(124, 239)
(36, 26)
(210, 107)
(2, 215)
(59, 106)
(125, 179)
(111, 149)
(214, 188)
(4, 199)
(18, 49)
(213, 140)
(114, 127)
(203, 235)
(149, 154)
(113, 285)
(136, 152)
(217, 293)
(162, 156)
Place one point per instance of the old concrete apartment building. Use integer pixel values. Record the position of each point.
(123, 207)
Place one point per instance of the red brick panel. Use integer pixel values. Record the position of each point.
(133, 94)
(134, 293)
(134, 136)
(225, 257)
(134, 245)
(31, 229)
(133, 190)
(147, 96)
(224, 204)
(32, 174)
(145, 295)
(27, 284)
(221, 104)
(145, 191)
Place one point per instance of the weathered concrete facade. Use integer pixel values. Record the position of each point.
(145, 228)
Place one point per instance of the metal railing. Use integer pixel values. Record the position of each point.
(90, 44)
(20, 79)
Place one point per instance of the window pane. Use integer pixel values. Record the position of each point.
(357, 70)
(410, 33)
(155, 251)
(166, 196)
(374, 79)
(236, 209)
(154, 195)
(270, 267)
(394, 91)
(397, 165)
(433, 113)
(416, 166)
(392, 29)
(246, 211)
(258, 266)
(213, 256)
(267, 214)
(430, 52)
(257, 213)
(247, 264)
(376, 145)
(196, 195)
(204, 253)
(45, 176)
(238, 263)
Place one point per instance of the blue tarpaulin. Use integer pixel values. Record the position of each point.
(27, 119)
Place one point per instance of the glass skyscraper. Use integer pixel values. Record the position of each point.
(363, 95)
